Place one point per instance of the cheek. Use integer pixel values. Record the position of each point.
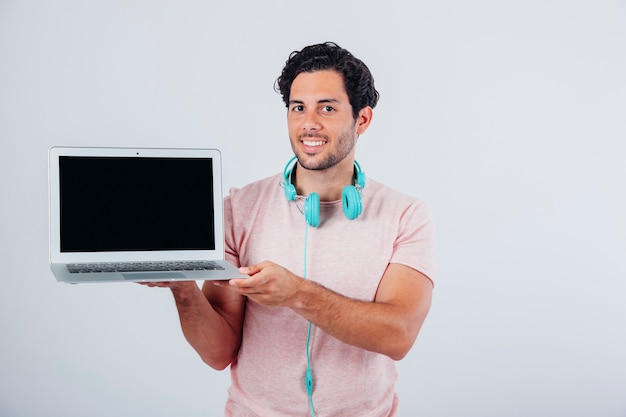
(292, 125)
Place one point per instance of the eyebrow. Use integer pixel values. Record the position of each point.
(321, 101)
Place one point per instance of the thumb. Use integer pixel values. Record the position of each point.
(250, 270)
(254, 269)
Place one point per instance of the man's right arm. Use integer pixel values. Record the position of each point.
(211, 319)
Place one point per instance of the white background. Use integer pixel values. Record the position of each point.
(507, 118)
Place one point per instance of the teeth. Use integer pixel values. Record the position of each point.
(312, 143)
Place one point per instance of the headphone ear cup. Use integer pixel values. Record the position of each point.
(312, 209)
(352, 205)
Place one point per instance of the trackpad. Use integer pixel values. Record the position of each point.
(153, 276)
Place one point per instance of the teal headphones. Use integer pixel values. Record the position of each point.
(351, 195)
(352, 207)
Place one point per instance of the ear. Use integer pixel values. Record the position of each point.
(364, 119)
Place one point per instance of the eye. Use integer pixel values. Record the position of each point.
(297, 108)
(328, 109)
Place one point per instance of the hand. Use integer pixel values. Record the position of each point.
(176, 286)
(269, 284)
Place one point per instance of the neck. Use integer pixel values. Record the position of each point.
(328, 183)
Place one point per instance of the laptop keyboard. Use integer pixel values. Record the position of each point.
(143, 266)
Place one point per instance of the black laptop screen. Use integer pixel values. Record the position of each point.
(136, 204)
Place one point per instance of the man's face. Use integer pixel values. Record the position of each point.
(321, 125)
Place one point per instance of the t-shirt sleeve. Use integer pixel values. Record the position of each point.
(415, 243)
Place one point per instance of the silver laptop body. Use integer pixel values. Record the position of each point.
(136, 214)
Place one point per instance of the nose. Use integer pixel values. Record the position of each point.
(311, 122)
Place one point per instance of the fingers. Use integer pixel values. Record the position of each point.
(254, 269)
(253, 281)
(169, 284)
(247, 286)
(154, 284)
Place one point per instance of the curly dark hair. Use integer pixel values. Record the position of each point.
(357, 78)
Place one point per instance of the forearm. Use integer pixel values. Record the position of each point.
(388, 328)
(206, 329)
(388, 325)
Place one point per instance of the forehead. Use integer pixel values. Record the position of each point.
(327, 83)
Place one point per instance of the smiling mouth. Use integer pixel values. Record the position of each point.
(313, 142)
(312, 139)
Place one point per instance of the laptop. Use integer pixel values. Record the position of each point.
(136, 215)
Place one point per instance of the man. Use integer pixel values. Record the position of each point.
(331, 302)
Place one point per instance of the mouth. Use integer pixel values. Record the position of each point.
(312, 143)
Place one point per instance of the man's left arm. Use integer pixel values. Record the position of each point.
(389, 325)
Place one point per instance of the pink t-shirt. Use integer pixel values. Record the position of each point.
(347, 256)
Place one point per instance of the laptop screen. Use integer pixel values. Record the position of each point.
(136, 204)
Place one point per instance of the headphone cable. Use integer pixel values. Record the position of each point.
(309, 372)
